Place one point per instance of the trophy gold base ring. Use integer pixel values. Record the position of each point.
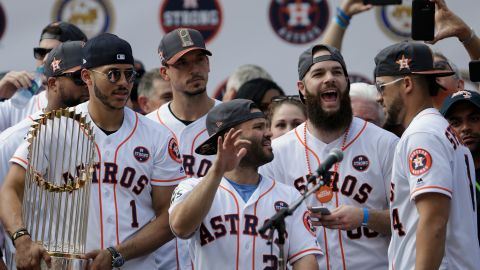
(65, 263)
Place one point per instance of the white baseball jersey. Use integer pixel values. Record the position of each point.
(129, 163)
(11, 115)
(362, 180)
(228, 237)
(430, 157)
(174, 255)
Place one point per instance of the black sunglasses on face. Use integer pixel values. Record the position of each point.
(39, 53)
(114, 75)
(284, 98)
(442, 65)
(76, 77)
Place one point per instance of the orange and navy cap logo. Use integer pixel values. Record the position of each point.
(403, 62)
(173, 150)
(420, 161)
(55, 64)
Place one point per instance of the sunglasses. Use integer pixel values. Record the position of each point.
(442, 65)
(285, 98)
(76, 77)
(114, 75)
(39, 53)
(381, 86)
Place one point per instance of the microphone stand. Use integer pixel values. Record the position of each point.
(277, 221)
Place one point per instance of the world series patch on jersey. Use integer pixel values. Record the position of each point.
(361, 179)
(228, 235)
(129, 163)
(430, 158)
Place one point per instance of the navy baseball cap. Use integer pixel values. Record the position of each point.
(406, 58)
(179, 42)
(63, 58)
(106, 49)
(223, 117)
(463, 95)
(62, 31)
(306, 60)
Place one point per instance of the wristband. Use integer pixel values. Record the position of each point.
(343, 15)
(365, 217)
(470, 38)
(19, 233)
(340, 23)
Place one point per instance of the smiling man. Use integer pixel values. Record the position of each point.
(355, 234)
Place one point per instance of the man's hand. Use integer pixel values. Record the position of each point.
(353, 7)
(345, 217)
(14, 80)
(102, 259)
(230, 150)
(448, 24)
(29, 254)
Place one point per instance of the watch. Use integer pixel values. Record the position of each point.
(117, 258)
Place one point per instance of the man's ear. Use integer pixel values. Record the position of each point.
(163, 73)
(301, 87)
(52, 84)
(86, 76)
(142, 103)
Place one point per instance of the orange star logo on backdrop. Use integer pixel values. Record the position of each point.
(403, 62)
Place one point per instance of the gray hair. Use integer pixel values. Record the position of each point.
(367, 92)
(454, 67)
(246, 73)
(145, 87)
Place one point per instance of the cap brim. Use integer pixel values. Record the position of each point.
(436, 73)
(177, 56)
(209, 147)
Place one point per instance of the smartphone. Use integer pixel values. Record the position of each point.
(382, 2)
(474, 70)
(423, 20)
(321, 210)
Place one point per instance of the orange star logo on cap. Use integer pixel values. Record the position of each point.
(55, 64)
(403, 62)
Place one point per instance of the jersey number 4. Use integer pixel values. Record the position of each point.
(396, 224)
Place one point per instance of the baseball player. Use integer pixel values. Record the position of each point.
(432, 199)
(355, 232)
(222, 212)
(138, 166)
(185, 65)
(52, 35)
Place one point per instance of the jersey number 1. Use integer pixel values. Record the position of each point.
(134, 214)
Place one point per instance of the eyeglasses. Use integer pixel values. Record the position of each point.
(39, 53)
(114, 75)
(76, 77)
(285, 98)
(381, 86)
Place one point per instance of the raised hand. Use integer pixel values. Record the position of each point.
(230, 150)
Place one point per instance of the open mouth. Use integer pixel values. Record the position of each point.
(329, 96)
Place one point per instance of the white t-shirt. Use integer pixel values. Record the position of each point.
(11, 115)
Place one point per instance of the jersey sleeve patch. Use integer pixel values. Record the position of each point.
(173, 150)
(141, 154)
(307, 221)
(420, 161)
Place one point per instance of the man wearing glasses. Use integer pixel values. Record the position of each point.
(138, 167)
(432, 199)
(354, 227)
(52, 35)
(448, 84)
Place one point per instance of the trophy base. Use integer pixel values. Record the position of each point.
(65, 263)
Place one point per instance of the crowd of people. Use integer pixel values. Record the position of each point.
(185, 181)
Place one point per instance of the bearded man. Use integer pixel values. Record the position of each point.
(355, 232)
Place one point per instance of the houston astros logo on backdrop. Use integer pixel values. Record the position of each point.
(299, 21)
(92, 16)
(202, 15)
(396, 20)
(3, 21)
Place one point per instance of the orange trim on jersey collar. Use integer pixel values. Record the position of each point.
(165, 125)
(306, 146)
(115, 184)
(194, 139)
(238, 222)
(356, 136)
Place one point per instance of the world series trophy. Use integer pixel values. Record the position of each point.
(57, 187)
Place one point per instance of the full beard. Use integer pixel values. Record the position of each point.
(104, 99)
(393, 112)
(256, 156)
(322, 119)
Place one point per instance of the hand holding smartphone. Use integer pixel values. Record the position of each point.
(321, 210)
(382, 2)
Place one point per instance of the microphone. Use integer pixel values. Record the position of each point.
(336, 155)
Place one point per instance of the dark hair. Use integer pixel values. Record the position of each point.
(256, 89)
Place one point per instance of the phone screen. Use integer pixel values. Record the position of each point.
(382, 2)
